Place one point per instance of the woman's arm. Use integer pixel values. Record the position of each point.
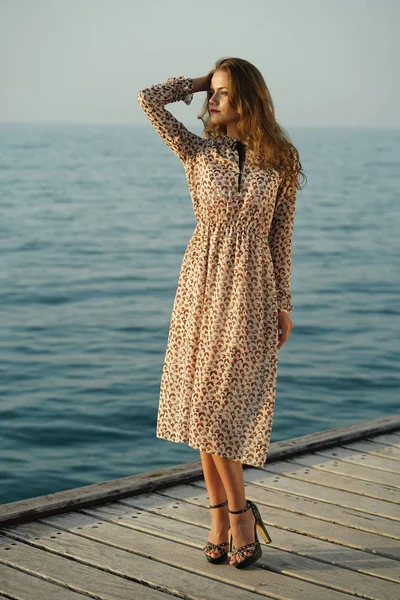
(280, 240)
(182, 142)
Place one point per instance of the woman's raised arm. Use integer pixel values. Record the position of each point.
(184, 143)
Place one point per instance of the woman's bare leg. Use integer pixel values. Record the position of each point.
(217, 494)
(242, 525)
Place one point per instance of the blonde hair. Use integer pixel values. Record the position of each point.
(257, 127)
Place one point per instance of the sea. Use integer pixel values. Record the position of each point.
(94, 224)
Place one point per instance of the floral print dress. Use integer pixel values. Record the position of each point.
(219, 377)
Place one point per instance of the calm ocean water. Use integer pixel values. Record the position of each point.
(94, 224)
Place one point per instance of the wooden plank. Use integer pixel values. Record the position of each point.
(98, 493)
(107, 491)
(278, 561)
(294, 563)
(375, 448)
(333, 480)
(180, 569)
(318, 485)
(355, 471)
(157, 517)
(387, 439)
(25, 587)
(332, 437)
(348, 517)
(65, 572)
(121, 515)
(277, 517)
(392, 467)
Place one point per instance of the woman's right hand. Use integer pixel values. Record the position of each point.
(201, 84)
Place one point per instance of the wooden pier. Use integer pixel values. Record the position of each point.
(330, 501)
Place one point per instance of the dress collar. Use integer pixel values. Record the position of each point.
(232, 142)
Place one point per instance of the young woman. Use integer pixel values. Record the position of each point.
(232, 306)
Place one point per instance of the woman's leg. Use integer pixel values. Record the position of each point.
(242, 525)
(217, 494)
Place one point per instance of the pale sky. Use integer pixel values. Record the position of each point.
(327, 63)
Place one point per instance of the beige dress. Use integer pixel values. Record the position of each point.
(219, 376)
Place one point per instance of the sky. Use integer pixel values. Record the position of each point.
(327, 63)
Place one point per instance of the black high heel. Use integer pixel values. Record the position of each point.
(210, 546)
(257, 552)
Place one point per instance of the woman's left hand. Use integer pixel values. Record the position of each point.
(285, 324)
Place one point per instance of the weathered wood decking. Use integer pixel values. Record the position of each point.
(330, 501)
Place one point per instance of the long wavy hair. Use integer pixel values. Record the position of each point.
(257, 127)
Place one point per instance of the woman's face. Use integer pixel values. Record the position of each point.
(218, 100)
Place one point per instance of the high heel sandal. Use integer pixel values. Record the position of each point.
(210, 546)
(257, 552)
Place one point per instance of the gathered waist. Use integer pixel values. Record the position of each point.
(235, 228)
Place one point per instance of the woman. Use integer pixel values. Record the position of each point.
(233, 296)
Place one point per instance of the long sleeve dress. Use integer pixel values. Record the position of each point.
(219, 376)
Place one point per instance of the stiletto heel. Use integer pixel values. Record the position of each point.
(219, 547)
(261, 526)
(256, 550)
